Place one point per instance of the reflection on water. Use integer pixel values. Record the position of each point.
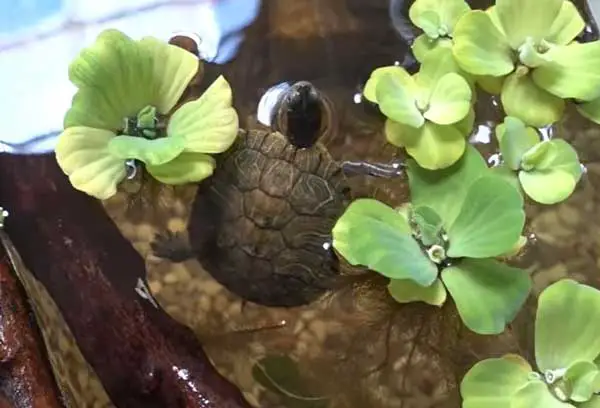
(355, 346)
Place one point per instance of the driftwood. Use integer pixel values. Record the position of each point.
(26, 378)
(142, 356)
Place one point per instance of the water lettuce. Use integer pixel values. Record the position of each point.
(567, 347)
(445, 241)
(118, 78)
(430, 113)
(548, 171)
(437, 19)
(532, 49)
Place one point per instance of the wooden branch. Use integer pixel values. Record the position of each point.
(143, 357)
(26, 378)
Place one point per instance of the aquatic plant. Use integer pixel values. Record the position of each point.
(532, 50)
(429, 113)
(119, 78)
(567, 347)
(548, 171)
(458, 221)
(437, 19)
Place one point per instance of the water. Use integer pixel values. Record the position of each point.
(355, 349)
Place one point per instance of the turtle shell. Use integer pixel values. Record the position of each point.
(261, 224)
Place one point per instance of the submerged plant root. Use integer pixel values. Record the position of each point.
(142, 356)
(25, 375)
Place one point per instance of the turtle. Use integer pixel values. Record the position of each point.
(261, 224)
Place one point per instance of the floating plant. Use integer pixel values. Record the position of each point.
(531, 48)
(548, 171)
(437, 19)
(567, 347)
(458, 221)
(429, 113)
(119, 78)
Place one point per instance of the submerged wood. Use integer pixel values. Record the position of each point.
(142, 356)
(26, 379)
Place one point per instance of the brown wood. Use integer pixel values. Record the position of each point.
(26, 379)
(143, 357)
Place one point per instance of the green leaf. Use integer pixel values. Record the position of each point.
(490, 221)
(568, 75)
(121, 76)
(491, 383)
(373, 234)
(82, 154)
(534, 156)
(429, 22)
(445, 190)
(429, 225)
(480, 48)
(515, 139)
(185, 168)
(488, 294)
(280, 374)
(567, 25)
(525, 18)
(153, 152)
(590, 110)
(490, 84)
(593, 403)
(555, 175)
(536, 395)
(146, 117)
(530, 56)
(583, 379)
(523, 99)
(423, 45)
(397, 72)
(567, 325)
(397, 103)
(436, 65)
(172, 70)
(433, 146)
(450, 101)
(209, 124)
(447, 13)
(507, 174)
(407, 291)
(465, 126)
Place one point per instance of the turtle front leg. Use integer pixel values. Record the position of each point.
(382, 170)
(172, 246)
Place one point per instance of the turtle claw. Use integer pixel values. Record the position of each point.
(172, 246)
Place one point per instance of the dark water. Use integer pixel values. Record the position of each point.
(355, 349)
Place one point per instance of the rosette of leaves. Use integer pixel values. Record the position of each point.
(531, 47)
(119, 78)
(430, 113)
(548, 171)
(567, 347)
(437, 19)
(445, 241)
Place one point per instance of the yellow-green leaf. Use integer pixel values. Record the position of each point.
(82, 154)
(569, 73)
(526, 18)
(397, 72)
(209, 124)
(567, 25)
(185, 168)
(450, 101)
(153, 152)
(480, 48)
(523, 99)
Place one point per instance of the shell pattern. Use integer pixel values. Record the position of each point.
(261, 224)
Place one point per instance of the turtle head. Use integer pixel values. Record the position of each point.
(302, 114)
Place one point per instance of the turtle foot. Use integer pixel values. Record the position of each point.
(172, 246)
